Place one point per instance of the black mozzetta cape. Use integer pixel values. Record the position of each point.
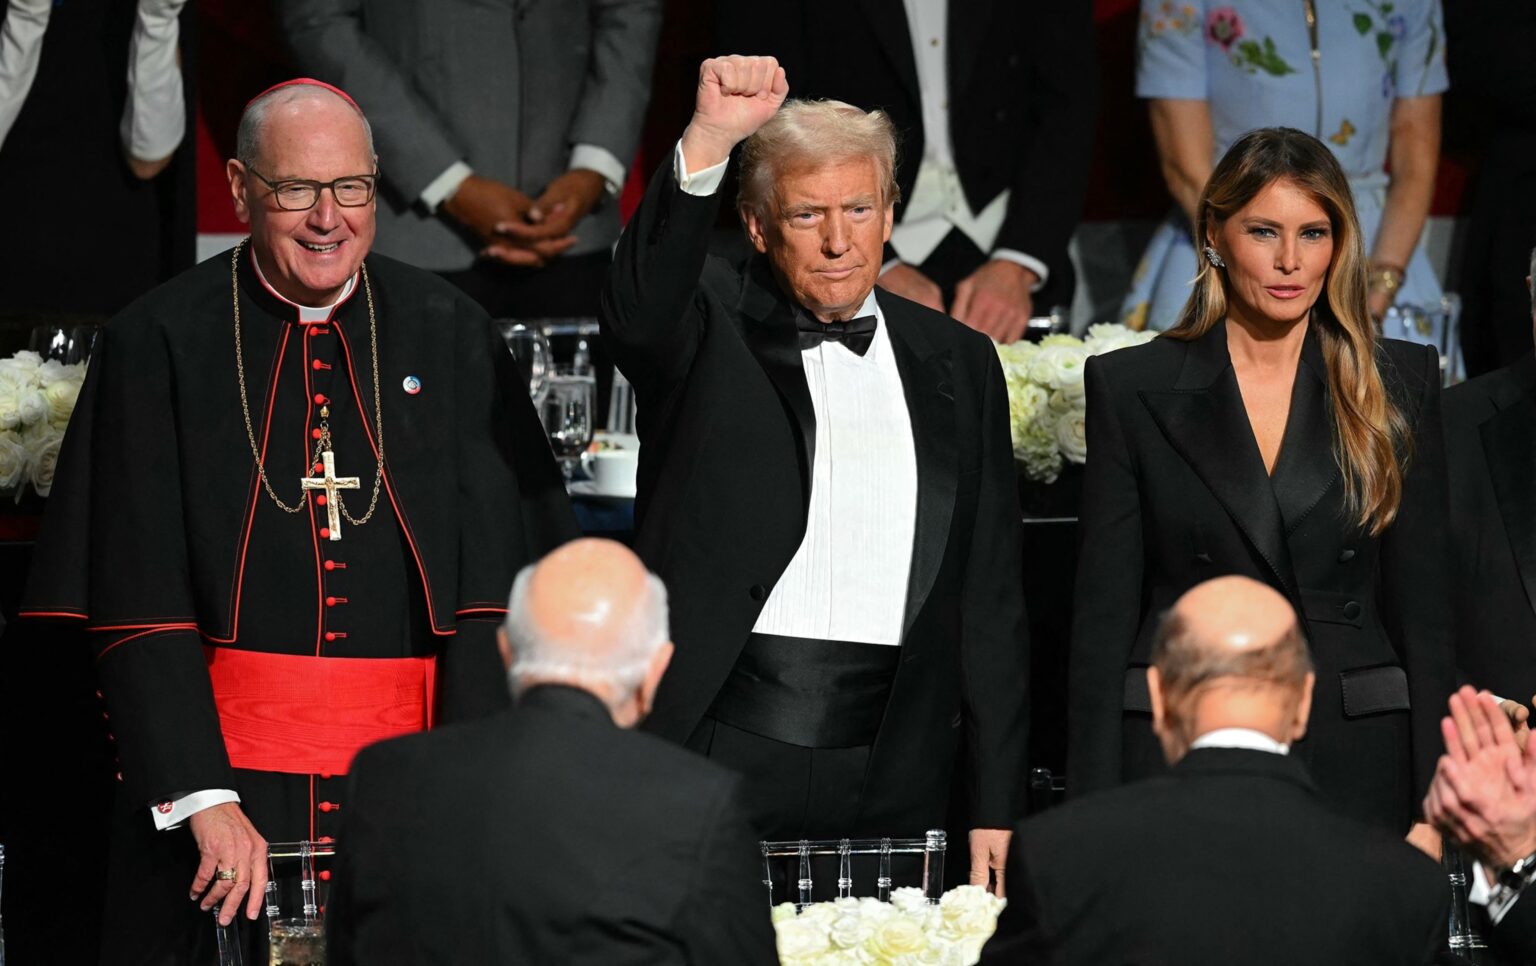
(160, 538)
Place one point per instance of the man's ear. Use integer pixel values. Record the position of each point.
(756, 230)
(653, 674)
(1159, 707)
(890, 220)
(235, 172)
(1303, 708)
(504, 645)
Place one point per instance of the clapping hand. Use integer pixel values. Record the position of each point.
(736, 96)
(1484, 791)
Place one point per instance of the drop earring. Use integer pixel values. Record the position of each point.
(1213, 258)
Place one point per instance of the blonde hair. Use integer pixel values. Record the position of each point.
(1371, 441)
(812, 134)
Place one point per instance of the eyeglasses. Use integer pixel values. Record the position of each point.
(353, 191)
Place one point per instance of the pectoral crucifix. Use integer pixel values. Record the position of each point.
(330, 483)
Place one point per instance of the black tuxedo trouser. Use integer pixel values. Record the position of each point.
(812, 793)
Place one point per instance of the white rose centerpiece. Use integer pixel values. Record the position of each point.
(908, 929)
(37, 398)
(1045, 395)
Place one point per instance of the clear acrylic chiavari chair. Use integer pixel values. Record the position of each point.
(294, 939)
(799, 854)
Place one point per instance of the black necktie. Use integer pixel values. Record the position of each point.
(857, 334)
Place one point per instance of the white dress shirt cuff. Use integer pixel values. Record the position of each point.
(701, 183)
(442, 187)
(155, 115)
(1028, 261)
(593, 158)
(172, 812)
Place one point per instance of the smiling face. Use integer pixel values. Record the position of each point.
(1278, 249)
(825, 233)
(307, 256)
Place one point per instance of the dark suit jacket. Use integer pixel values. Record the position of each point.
(545, 834)
(1233, 857)
(1021, 97)
(728, 433)
(1490, 449)
(1514, 938)
(1176, 493)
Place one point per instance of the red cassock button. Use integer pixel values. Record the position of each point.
(328, 806)
(319, 399)
(318, 468)
(317, 365)
(330, 635)
(319, 499)
(330, 565)
(325, 533)
(327, 839)
(325, 875)
(330, 602)
(314, 433)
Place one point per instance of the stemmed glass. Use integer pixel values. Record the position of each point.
(530, 350)
(566, 412)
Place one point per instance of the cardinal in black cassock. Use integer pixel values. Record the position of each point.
(290, 544)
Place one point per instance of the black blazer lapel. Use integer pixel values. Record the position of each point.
(769, 331)
(1306, 468)
(1509, 446)
(1204, 419)
(969, 21)
(888, 22)
(927, 382)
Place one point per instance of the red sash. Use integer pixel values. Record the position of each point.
(311, 715)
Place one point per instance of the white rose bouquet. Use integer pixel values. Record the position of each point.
(1045, 395)
(873, 933)
(37, 398)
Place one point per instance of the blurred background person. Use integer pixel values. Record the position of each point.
(1366, 81)
(1269, 434)
(505, 132)
(553, 833)
(994, 104)
(1490, 454)
(1488, 51)
(1266, 871)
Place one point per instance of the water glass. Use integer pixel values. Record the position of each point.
(569, 397)
(530, 350)
(297, 942)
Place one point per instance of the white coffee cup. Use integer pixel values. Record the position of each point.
(612, 470)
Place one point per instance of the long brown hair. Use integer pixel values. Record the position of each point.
(1371, 441)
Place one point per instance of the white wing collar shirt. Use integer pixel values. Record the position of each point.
(848, 580)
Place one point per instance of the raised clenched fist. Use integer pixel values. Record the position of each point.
(736, 96)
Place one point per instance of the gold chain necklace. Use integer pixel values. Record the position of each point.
(323, 444)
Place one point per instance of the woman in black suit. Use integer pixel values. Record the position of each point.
(1272, 433)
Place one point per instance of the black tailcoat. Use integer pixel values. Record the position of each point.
(1176, 493)
(572, 841)
(1022, 91)
(1490, 449)
(728, 434)
(1232, 857)
(161, 540)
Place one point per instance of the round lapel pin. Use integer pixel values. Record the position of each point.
(411, 385)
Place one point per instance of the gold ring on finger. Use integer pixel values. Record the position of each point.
(227, 875)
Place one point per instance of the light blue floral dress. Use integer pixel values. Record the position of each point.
(1252, 60)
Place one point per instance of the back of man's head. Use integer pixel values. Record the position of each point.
(1229, 654)
(589, 615)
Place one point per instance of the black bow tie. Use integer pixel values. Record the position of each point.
(857, 334)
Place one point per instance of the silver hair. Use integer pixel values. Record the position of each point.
(813, 134)
(622, 666)
(253, 119)
(1531, 274)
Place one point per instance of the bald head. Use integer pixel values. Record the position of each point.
(589, 615)
(1230, 654)
(295, 110)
